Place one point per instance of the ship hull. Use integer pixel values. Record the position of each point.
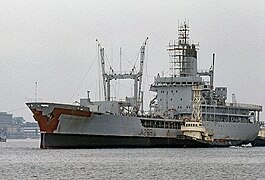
(234, 133)
(76, 141)
(68, 126)
(83, 141)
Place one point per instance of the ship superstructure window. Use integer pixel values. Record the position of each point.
(161, 124)
(225, 114)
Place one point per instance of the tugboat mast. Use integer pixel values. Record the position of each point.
(196, 104)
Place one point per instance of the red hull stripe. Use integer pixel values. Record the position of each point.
(49, 124)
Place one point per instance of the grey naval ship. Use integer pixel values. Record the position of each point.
(186, 111)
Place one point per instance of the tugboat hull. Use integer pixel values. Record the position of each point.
(259, 141)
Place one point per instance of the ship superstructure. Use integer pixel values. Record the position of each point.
(174, 95)
(184, 102)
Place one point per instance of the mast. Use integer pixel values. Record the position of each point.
(140, 75)
(183, 54)
(212, 72)
(120, 61)
(102, 60)
(36, 90)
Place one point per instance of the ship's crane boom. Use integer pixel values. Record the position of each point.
(102, 60)
(140, 74)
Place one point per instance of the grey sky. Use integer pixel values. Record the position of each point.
(53, 43)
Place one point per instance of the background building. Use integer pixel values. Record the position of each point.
(17, 128)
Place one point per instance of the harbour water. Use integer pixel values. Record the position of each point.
(23, 159)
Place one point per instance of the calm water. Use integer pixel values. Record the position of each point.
(22, 159)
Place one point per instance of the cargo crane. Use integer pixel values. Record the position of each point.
(135, 101)
(104, 75)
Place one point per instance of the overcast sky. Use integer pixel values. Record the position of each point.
(53, 43)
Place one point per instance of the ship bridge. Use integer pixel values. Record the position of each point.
(175, 81)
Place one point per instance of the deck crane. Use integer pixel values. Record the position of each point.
(136, 100)
(102, 60)
(140, 74)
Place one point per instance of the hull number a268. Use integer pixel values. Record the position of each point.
(147, 132)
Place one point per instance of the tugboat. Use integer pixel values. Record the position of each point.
(260, 140)
(193, 126)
